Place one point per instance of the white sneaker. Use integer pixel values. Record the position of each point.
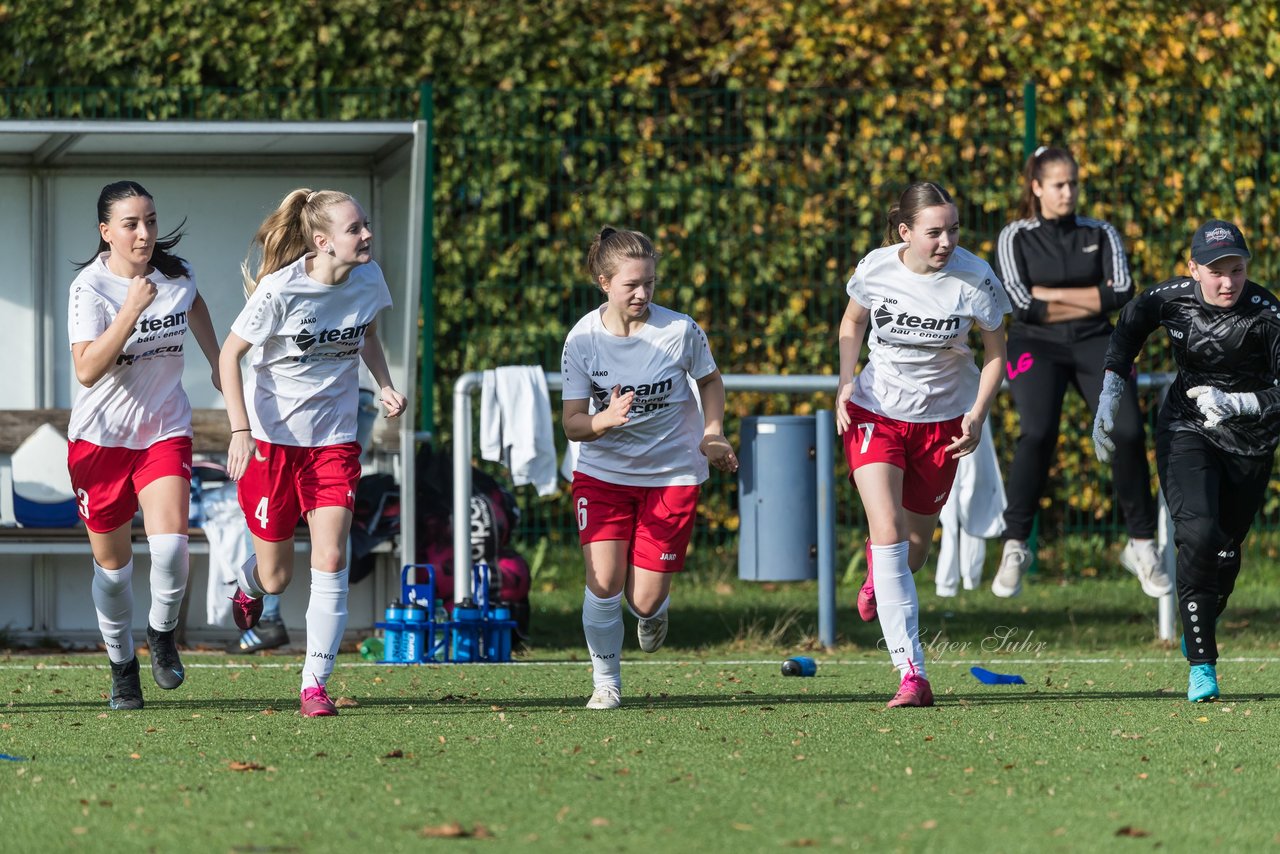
(605, 697)
(652, 632)
(1013, 563)
(1142, 559)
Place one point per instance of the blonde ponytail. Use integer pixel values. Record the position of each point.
(287, 233)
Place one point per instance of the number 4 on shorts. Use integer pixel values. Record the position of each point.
(261, 513)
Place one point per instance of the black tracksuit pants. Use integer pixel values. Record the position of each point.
(1040, 372)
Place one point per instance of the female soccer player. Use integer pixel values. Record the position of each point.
(918, 404)
(1064, 274)
(129, 438)
(1218, 428)
(311, 315)
(628, 399)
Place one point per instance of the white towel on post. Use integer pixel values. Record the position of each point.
(515, 425)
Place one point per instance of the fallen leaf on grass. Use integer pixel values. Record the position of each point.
(346, 702)
(803, 843)
(454, 830)
(1129, 830)
(599, 821)
(397, 754)
(235, 765)
(134, 756)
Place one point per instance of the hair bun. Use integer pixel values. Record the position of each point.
(607, 232)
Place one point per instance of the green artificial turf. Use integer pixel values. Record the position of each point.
(712, 751)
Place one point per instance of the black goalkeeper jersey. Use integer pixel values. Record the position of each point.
(1233, 349)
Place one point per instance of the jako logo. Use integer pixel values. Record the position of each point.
(1177, 333)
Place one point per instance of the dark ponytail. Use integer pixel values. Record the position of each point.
(1033, 171)
(161, 258)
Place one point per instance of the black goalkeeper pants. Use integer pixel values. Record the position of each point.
(1041, 372)
(1213, 496)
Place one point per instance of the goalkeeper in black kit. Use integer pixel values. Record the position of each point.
(1218, 428)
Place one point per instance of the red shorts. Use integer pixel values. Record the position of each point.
(284, 482)
(107, 480)
(919, 449)
(657, 521)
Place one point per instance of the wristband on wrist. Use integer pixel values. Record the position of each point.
(242, 430)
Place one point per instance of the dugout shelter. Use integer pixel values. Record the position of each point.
(222, 178)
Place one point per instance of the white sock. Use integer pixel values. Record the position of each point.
(662, 609)
(326, 619)
(898, 608)
(169, 570)
(247, 578)
(602, 624)
(113, 600)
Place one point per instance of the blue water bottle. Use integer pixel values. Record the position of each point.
(413, 639)
(799, 665)
(497, 635)
(466, 632)
(393, 632)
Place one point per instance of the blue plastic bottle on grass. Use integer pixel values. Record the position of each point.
(800, 665)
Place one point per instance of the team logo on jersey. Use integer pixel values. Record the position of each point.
(149, 325)
(306, 339)
(883, 317)
(649, 396)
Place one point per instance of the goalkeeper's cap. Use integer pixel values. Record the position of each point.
(1217, 239)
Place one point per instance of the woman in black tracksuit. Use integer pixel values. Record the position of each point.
(1064, 274)
(1218, 427)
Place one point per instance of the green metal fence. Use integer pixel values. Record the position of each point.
(762, 202)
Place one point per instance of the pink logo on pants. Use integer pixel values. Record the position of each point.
(1025, 361)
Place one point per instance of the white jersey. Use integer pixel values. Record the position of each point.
(920, 368)
(659, 445)
(139, 400)
(302, 384)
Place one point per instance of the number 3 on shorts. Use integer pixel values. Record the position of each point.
(866, 435)
(582, 514)
(261, 513)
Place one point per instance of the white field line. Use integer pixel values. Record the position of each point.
(768, 662)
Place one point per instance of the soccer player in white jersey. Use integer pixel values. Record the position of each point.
(310, 317)
(129, 438)
(918, 404)
(628, 399)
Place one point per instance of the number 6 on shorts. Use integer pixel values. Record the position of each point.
(582, 514)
